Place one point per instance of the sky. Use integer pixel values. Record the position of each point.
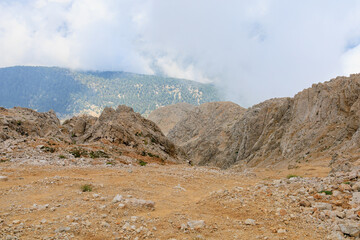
(253, 50)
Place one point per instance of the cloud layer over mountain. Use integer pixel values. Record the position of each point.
(253, 49)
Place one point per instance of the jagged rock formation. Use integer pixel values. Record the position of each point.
(120, 134)
(22, 122)
(206, 134)
(122, 126)
(167, 117)
(316, 123)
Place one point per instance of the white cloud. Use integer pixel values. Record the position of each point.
(253, 49)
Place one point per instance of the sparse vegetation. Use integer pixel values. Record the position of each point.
(86, 188)
(78, 152)
(142, 163)
(47, 149)
(292, 176)
(326, 192)
(62, 157)
(98, 154)
(153, 155)
(346, 182)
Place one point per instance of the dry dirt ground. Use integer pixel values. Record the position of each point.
(224, 200)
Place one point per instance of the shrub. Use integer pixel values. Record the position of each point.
(98, 154)
(142, 163)
(153, 155)
(326, 192)
(62, 156)
(86, 188)
(47, 149)
(78, 152)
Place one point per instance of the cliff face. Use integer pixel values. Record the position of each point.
(317, 123)
(205, 133)
(167, 117)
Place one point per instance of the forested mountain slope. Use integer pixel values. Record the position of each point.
(69, 92)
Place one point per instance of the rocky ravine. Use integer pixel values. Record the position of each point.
(321, 122)
(205, 132)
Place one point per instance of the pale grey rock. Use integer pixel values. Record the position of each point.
(3, 178)
(250, 221)
(322, 206)
(206, 133)
(355, 198)
(117, 198)
(196, 224)
(167, 117)
(351, 228)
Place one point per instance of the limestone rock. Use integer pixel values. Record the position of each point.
(123, 126)
(167, 117)
(206, 133)
(23, 122)
(352, 229)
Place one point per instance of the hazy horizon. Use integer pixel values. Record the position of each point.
(255, 50)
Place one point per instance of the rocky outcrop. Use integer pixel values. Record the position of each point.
(206, 133)
(123, 127)
(22, 122)
(167, 117)
(321, 122)
(317, 123)
(120, 135)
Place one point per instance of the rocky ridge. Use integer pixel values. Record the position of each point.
(321, 122)
(118, 136)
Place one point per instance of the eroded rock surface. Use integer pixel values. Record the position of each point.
(206, 133)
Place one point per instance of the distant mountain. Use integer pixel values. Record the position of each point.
(70, 92)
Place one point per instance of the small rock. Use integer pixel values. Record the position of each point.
(250, 221)
(126, 226)
(345, 187)
(281, 230)
(352, 229)
(305, 203)
(117, 198)
(105, 224)
(322, 206)
(16, 221)
(62, 229)
(355, 198)
(196, 224)
(3, 178)
(121, 205)
(356, 187)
